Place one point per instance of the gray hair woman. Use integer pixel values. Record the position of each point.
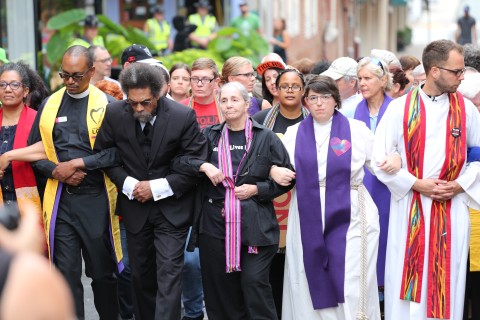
(238, 228)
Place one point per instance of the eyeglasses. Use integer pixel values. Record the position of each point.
(177, 78)
(134, 104)
(109, 59)
(294, 88)
(14, 85)
(323, 98)
(457, 72)
(75, 76)
(202, 80)
(247, 75)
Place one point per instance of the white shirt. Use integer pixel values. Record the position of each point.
(160, 187)
(349, 105)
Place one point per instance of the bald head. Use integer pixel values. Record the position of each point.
(80, 51)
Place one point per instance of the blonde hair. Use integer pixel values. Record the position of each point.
(378, 68)
(231, 67)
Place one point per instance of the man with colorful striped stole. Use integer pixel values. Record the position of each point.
(429, 227)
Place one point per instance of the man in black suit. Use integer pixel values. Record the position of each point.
(156, 203)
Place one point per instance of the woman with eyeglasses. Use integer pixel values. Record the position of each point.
(238, 230)
(289, 110)
(374, 81)
(333, 228)
(17, 82)
(240, 69)
(180, 81)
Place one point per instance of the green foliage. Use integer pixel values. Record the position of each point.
(116, 37)
(66, 18)
(189, 56)
(231, 42)
(404, 38)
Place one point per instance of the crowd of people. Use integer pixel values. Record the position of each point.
(342, 190)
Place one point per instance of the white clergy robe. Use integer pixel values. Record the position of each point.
(388, 138)
(297, 303)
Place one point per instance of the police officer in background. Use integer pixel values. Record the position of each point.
(90, 33)
(206, 25)
(157, 30)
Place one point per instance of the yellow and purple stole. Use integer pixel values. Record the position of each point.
(23, 176)
(97, 102)
(414, 126)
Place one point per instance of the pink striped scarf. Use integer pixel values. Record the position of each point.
(232, 207)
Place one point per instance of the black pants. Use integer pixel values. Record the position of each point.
(156, 260)
(472, 293)
(238, 295)
(82, 229)
(277, 271)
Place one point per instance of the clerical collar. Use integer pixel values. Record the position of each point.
(431, 97)
(79, 95)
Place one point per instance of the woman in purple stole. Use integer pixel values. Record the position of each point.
(374, 80)
(333, 230)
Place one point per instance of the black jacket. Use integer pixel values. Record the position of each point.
(176, 132)
(259, 222)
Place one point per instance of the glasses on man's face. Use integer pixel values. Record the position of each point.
(109, 59)
(144, 103)
(76, 76)
(247, 75)
(294, 88)
(323, 98)
(196, 80)
(456, 72)
(14, 85)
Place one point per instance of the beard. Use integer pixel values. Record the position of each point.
(446, 87)
(143, 116)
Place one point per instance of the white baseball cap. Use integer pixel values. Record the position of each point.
(343, 66)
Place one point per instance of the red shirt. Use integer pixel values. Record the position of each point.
(207, 114)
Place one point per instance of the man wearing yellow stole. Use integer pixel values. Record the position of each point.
(79, 200)
(428, 238)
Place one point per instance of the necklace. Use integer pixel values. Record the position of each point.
(321, 144)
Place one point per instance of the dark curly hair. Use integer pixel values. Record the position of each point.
(141, 76)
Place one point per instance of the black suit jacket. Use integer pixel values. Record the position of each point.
(176, 133)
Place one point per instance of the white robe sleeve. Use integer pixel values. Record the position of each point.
(388, 139)
(469, 179)
(367, 137)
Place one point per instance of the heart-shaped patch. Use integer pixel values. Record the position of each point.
(96, 114)
(340, 146)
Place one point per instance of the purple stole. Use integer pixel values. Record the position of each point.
(379, 192)
(254, 107)
(324, 252)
